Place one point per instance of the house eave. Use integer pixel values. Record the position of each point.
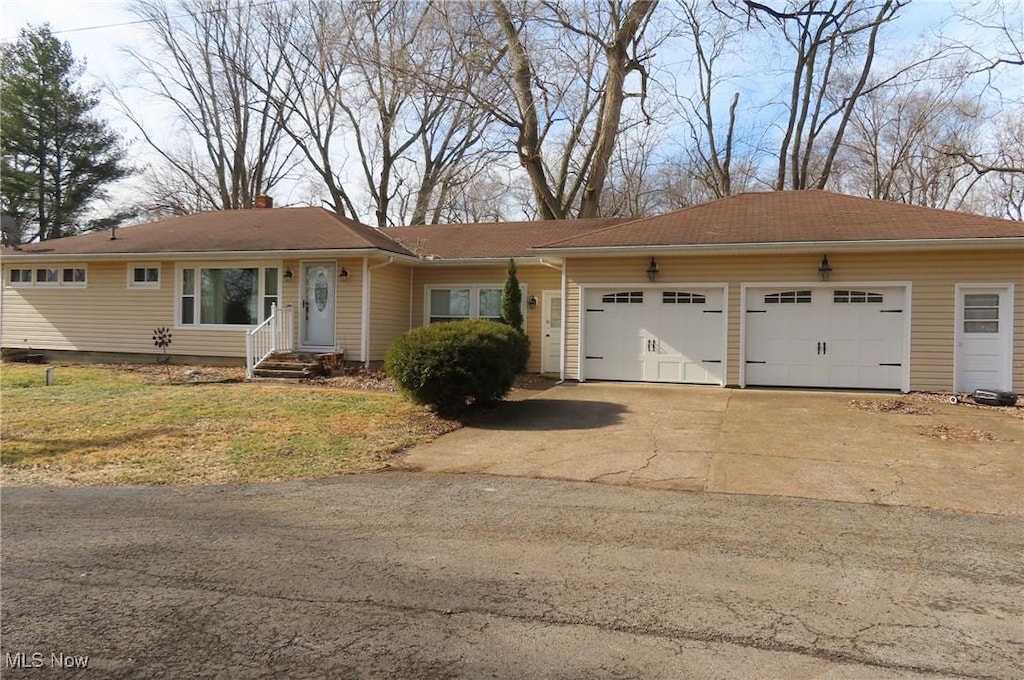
(484, 261)
(788, 247)
(211, 255)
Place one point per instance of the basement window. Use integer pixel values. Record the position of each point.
(788, 297)
(627, 297)
(671, 297)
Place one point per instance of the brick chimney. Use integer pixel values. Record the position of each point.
(263, 201)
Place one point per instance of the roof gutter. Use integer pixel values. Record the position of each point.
(800, 246)
(365, 319)
(563, 300)
(437, 261)
(218, 255)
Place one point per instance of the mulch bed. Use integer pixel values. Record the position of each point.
(963, 434)
(891, 406)
(918, 404)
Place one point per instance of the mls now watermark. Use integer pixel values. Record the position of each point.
(40, 660)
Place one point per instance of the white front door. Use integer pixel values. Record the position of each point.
(984, 337)
(551, 358)
(318, 304)
(849, 336)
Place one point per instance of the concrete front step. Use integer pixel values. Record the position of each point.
(278, 365)
(281, 374)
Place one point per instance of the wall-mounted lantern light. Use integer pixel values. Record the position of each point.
(343, 274)
(652, 271)
(288, 275)
(532, 302)
(825, 269)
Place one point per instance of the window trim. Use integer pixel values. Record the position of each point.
(179, 277)
(474, 298)
(144, 285)
(59, 282)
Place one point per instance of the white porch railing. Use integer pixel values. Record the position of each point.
(273, 335)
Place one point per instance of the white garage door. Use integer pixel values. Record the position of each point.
(655, 335)
(825, 337)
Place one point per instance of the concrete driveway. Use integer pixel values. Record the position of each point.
(781, 443)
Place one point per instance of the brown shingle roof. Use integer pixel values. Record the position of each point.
(492, 240)
(279, 229)
(792, 217)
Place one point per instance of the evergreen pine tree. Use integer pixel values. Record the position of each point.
(57, 157)
(512, 299)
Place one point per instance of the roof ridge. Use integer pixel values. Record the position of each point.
(635, 220)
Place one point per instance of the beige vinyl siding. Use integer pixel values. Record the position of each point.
(348, 333)
(389, 306)
(535, 278)
(932, 276)
(108, 316)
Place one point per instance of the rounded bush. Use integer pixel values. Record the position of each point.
(451, 365)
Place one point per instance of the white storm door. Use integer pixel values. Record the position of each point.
(551, 358)
(318, 304)
(983, 338)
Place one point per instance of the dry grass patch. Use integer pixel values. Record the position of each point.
(105, 425)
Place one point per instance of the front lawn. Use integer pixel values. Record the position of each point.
(111, 425)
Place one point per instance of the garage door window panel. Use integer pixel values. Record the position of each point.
(788, 297)
(856, 297)
(671, 297)
(627, 297)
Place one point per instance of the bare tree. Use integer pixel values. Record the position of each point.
(904, 140)
(834, 45)
(713, 38)
(202, 62)
(566, 66)
(364, 111)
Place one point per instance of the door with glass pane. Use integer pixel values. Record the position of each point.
(551, 359)
(983, 338)
(318, 304)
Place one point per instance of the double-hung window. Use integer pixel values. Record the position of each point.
(465, 302)
(226, 296)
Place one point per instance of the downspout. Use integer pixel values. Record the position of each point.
(365, 340)
(561, 351)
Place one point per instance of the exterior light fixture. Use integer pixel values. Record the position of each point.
(825, 269)
(532, 302)
(288, 275)
(343, 274)
(652, 271)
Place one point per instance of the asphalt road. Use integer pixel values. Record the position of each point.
(434, 576)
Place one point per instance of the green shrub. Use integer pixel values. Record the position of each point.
(451, 365)
(512, 298)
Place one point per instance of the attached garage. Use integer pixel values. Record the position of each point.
(674, 333)
(844, 336)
